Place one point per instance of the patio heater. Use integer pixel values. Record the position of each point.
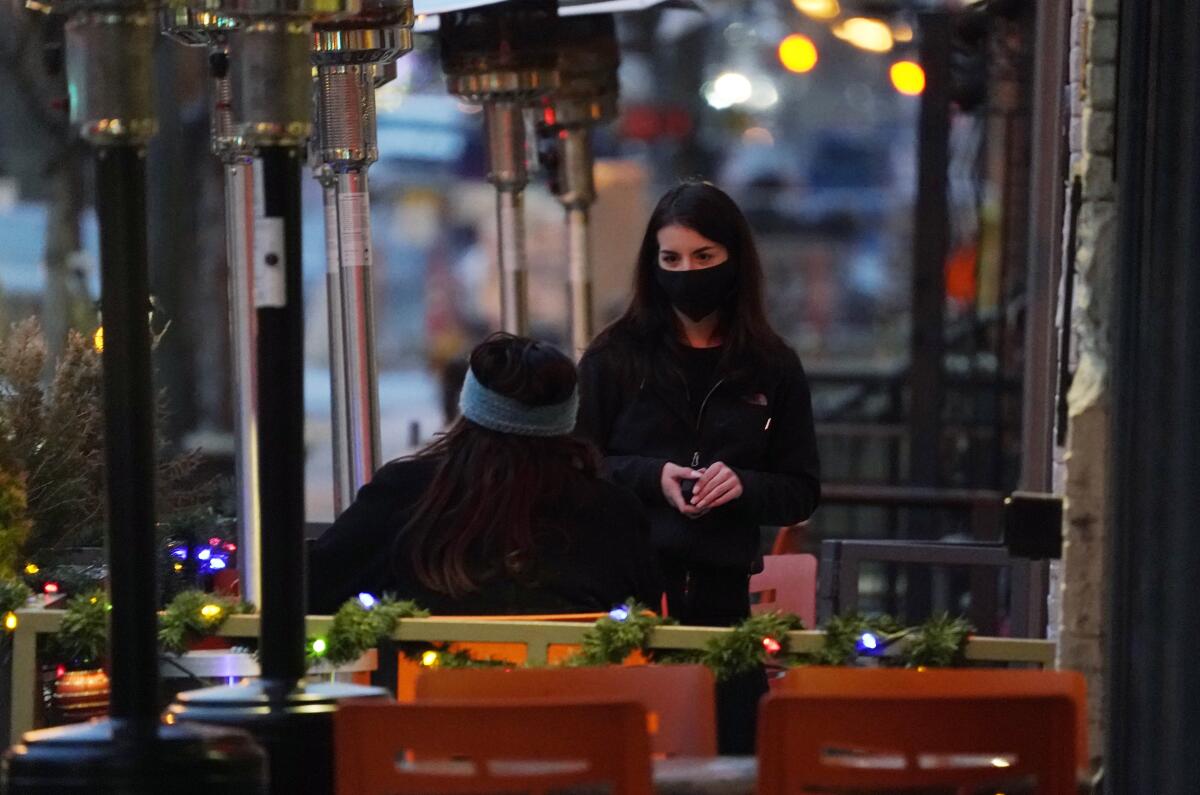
(108, 55)
(588, 57)
(500, 56)
(200, 28)
(352, 56)
(270, 83)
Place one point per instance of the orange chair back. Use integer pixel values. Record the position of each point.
(998, 682)
(787, 583)
(881, 735)
(678, 699)
(485, 747)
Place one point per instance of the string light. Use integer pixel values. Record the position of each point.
(619, 613)
(216, 564)
(908, 78)
(818, 9)
(866, 34)
(178, 567)
(212, 611)
(798, 54)
(10, 621)
(366, 600)
(318, 646)
(31, 568)
(430, 659)
(867, 643)
(98, 340)
(771, 645)
(50, 588)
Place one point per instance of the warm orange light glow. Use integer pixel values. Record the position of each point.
(98, 339)
(864, 33)
(908, 78)
(818, 9)
(10, 621)
(798, 54)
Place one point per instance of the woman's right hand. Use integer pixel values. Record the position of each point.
(671, 480)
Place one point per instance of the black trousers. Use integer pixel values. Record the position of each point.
(719, 597)
(705, 596)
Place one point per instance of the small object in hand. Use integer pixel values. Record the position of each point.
(685, 488)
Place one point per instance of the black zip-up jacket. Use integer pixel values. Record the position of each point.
(762, 428)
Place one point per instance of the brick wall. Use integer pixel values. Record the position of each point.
(1081, 630)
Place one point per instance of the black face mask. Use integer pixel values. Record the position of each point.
(698, 293)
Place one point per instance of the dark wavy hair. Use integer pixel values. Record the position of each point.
(493, 494)
(647, 332)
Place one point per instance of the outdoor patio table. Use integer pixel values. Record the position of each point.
(714, 775)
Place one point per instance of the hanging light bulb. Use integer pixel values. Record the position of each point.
(818, 9)
(866, 34)
(908, 78)
(798, 53)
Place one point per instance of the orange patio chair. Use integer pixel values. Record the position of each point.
(881, 736)
(679, 701)
(787, 583)
(487, 747)
(989, 682)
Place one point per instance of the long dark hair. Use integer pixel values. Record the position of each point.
(646, 332)
(493, 493)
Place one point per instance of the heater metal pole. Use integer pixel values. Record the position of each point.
(239, 231)
(358, 319)
(280, 316)
(588, 58)
(272, 102)
(500, 56)
(505, 125)
(128, 431)
(109, 46)
(579, 278)
(351, 56)
(209, 29)
(343, 482)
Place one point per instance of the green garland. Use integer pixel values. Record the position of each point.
(13, 595)
(363, 623)
(358, 626)
(745, 647)
(194, 615)
(83, 634)
(615, 636)
(941, 642)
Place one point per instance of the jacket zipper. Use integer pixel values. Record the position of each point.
(700, 419)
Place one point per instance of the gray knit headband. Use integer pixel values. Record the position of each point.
(496, 412)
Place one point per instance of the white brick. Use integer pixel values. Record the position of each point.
(1097, 177)
(1098, 135)
(1075, 133)
(1101, 86)
(1102, 40)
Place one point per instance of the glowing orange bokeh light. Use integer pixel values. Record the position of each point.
(908, 78)
(798, 54)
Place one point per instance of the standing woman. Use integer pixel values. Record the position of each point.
(700, 407)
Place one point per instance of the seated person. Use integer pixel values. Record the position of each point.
(503, 514)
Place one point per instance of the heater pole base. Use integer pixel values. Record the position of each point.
(98, 757)
(294, 723)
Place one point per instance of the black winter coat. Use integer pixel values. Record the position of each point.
(761, 427)
(600, 558)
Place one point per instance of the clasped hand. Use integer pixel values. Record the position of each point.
(715, 485)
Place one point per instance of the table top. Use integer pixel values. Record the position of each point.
(715, 775)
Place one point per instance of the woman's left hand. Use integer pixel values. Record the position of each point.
(717, 486)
